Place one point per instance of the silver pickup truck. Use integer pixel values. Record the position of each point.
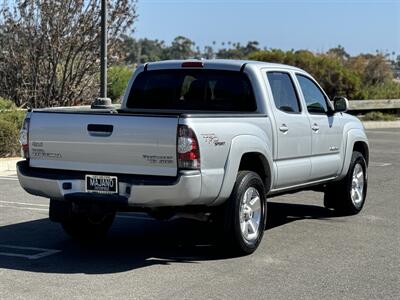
(216, 137)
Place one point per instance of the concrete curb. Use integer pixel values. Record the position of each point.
(381, 124)
(8, 164)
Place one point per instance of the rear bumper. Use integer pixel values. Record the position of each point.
(141, 191)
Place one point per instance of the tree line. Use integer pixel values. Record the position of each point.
(49, 55)
(364, 76)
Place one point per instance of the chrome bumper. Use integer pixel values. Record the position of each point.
(183, 190)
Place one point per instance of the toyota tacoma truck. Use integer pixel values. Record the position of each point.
(216, 137)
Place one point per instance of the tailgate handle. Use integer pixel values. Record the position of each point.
(100, 129)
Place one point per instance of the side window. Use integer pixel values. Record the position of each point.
(283, 91)
(315, 99)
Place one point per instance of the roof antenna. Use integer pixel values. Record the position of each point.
(103, 102)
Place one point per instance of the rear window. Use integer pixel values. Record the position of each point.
(188, 89)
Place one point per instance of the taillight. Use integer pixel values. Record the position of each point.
(24, 138)
(187, 149)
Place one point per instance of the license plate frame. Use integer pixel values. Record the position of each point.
(101, 184)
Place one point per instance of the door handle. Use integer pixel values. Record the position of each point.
(284, 128)
(315, 127)
(100, 129)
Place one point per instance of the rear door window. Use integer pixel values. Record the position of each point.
(283, 91)
(188, 89)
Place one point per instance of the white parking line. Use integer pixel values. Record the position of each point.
(42, 252)
(379, 164)
(24, 208)
(24, 203)
(385, 164)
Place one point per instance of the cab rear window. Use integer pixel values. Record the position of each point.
(189, 89)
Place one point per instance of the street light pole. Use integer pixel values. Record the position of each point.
(103, 101)
(103, 71)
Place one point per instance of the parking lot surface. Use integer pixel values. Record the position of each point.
(307, 252)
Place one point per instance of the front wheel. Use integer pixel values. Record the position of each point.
(348, 195)
(244, 214)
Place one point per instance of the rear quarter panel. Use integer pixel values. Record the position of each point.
(223, 141)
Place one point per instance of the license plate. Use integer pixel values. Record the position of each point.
(101, 184)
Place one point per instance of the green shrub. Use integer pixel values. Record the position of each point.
(13, 116)
(10, 123)
(335, 78)
(118, 78)
(9, 145)
(386, 90)
(378, 116)
(6, 104)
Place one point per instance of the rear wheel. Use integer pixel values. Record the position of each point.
(244, 214)
(348, 195)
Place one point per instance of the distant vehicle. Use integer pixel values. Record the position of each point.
(214, 136)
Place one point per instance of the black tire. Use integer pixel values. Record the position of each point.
(85, 227)
(338, 195)
(231, 215)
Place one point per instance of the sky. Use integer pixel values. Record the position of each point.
(361, 26)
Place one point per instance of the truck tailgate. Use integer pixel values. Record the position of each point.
(107, 143)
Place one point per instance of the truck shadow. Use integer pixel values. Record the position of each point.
(282, 213)
(132, 243)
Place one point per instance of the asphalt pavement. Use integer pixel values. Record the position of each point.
(307, 252)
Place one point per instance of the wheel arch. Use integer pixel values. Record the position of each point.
(356, 141)
(246, 153)
(362, 147)
(258, 163)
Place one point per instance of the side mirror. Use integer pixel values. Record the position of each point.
(341, 104)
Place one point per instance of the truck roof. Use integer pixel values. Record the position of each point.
(224, 64)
